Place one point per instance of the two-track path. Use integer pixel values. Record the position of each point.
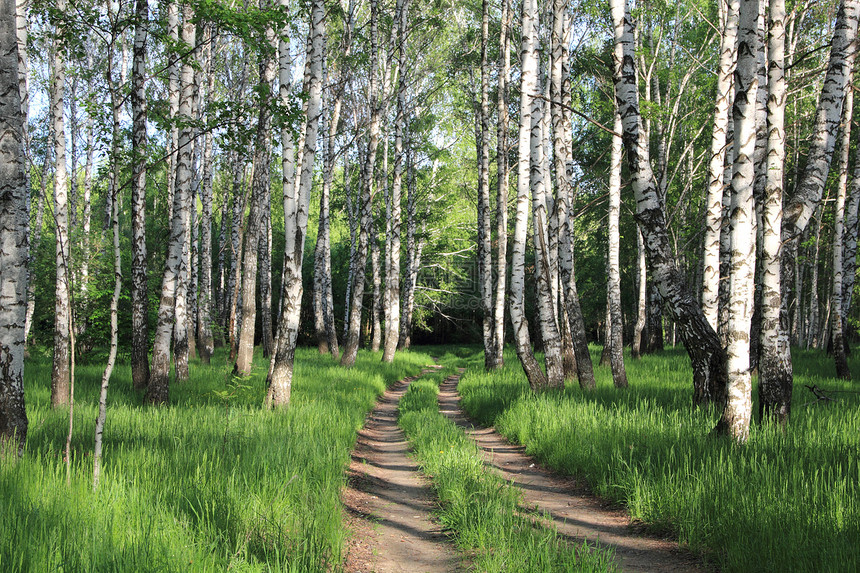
(575, 513)
(388, 502)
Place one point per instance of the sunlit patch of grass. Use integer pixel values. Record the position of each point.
(211, 482)
(482, 510)
(786, 501)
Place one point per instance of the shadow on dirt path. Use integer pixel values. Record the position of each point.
(388, 503)
(576, 514)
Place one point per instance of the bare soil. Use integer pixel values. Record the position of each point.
(575, 513)
(388, 502)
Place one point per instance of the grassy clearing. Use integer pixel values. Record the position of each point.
(784, 502)
(476, 504)
(210, 483)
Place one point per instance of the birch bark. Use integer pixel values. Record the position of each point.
(351, 344)
(703, 346)
(281, 367)
(528, 85)
(157, 392)
(139, 289)
(735, 419)
(714, 215)
(14, 217)
(60, 371)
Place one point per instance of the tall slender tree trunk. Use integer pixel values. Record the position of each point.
(351, 344)
(412, 258)
(256, 215)
(838, 346)
(484, 250)
(776, 401)
(157, 392)
(60, 372)
(716, 165)
(616, 344)
(113, 199)
(501, 270)
(775, 370)
(641, 296)
(205, 340)
(14, 220)
(528, 87)
(738, 410)
(849, 259)
(281, 367)
(392, 273)
(703, 346)
(139, 290)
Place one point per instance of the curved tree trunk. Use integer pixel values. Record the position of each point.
(703, 346)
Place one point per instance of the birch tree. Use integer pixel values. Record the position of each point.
(716, 165)
(14, 219)
(736, 415)
(501, 270)
(838, 343)
(157, 392)
(205, 340)
(392, 269)
(775, 369)
(350, 350)
(613, 285)
(775, 386)
(256, 213)
(700, 339)
(60, 394)
(528, 87)
(296, 220)
(139, 289)
(484, 250)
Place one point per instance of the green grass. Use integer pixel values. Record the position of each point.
(210, 483)
(783, 502)
(481, 509)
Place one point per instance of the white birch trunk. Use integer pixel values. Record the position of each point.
(157, 392)
(738, 410)
(60, 372)
(528, 85)
(703, 346)
(205, 340)
(256, 215)
(281, 367)
(14, 220)
(838, 346)
(616, 345)
(392, 274)
(774, 353)
(501, 270)
(714, 215)
(139, 290)
(351, 344)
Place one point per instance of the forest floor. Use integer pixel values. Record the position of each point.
(389, 502)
